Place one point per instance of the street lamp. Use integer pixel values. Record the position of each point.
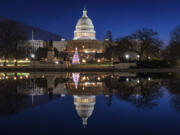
(32, 55)
(138, 81)
(127, 56)
(98, 60)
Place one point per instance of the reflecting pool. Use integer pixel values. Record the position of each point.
(89, 103)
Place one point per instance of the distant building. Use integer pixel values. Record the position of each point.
(32, 45)
(60, 45)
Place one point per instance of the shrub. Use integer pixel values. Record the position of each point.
(156, 64)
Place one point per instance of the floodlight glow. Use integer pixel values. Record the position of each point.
(32, 55)
(127, 56)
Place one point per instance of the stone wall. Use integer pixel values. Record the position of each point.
(124, 65)
(37, 64)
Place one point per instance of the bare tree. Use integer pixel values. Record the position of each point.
(109, 36)
(144, 42)
(174, 47)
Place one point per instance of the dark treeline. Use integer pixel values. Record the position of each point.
(10, 35)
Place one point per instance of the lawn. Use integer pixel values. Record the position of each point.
(93, 65)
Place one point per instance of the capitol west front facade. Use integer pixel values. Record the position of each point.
(85, 39)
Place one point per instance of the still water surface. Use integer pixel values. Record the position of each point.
(89, 103)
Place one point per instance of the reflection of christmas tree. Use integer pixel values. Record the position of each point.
(76, 79)
(75, 59)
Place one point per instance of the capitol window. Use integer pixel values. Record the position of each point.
(85, 100)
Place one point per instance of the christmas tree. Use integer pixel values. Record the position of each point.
(75, 59)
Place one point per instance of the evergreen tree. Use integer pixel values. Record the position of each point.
(75, 59)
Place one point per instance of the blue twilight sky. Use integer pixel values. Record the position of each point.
(122, 17)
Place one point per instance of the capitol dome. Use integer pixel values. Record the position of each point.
(84, 28)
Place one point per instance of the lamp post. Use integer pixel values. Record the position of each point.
(15, 62)
(138, 56)
(127, 57)
(32, 56)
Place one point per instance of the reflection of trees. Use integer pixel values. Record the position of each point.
(10, 100)
(60, 80)
(144, 94)
(108, 99)
(41, 82)
(173, 86)
(175, 102)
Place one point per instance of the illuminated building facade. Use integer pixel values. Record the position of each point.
(84, 28)
(32, 45)
(84, 107)
(85, 40)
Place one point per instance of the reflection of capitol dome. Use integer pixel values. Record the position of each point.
(84, 28)
(84, 106)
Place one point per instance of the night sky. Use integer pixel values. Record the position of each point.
(122, 17)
